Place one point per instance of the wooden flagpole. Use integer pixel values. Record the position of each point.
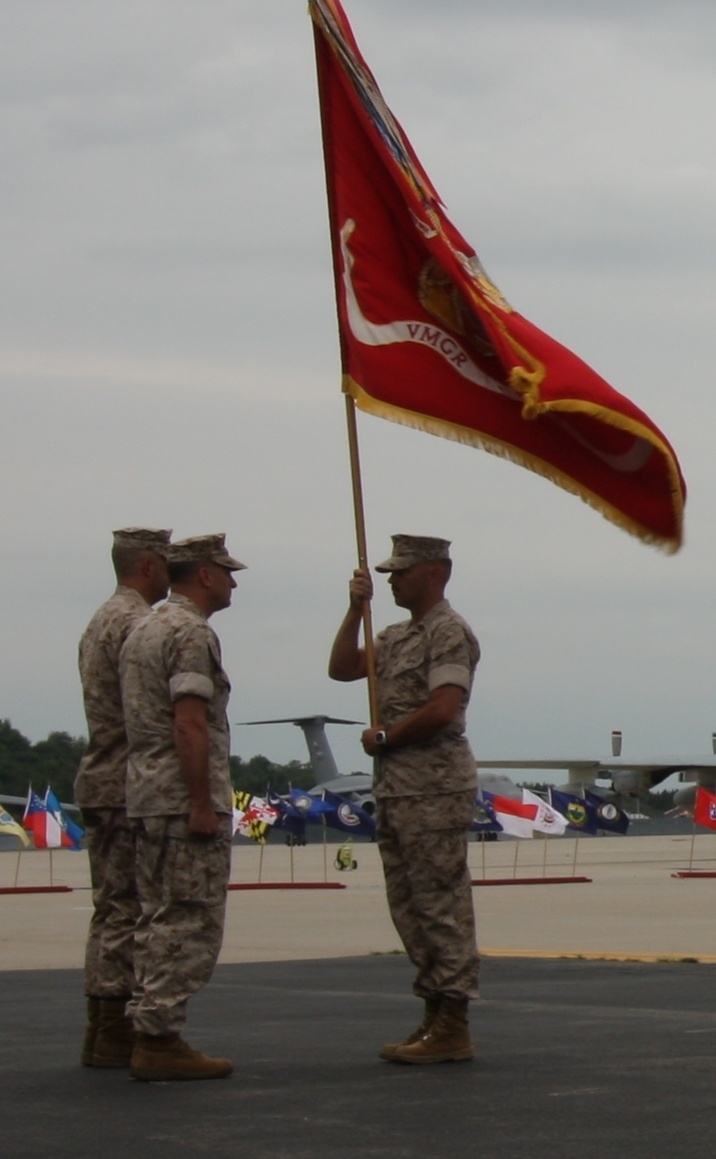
(361, 543)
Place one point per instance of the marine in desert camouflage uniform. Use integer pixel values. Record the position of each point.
(139, 560)
(175, 694)
(425, 785)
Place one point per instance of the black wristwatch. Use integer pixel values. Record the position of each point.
(381, 738)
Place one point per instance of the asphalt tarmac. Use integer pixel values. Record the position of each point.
(576, 1059)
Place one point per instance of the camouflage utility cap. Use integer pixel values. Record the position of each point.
(202, 548)
(411, 549)
(143, 538)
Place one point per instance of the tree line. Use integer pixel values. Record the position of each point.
(54, 762)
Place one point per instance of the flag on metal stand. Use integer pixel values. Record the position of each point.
(11, 827)
(705, 808)
(515, 818)
(428, 340)
(49, 824)
(252, 816)
(579, 813)
(484, 818)
(547, 818)
(61, 828)
(347, 815)
(609, 816)
(34, 818)
(289, 818)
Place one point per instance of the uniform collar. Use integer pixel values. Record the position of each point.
(431, 614)
(185, 602)
(123, 590)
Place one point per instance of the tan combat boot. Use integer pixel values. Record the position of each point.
(447, 1040)
(432, 1006)
(115, 1034)
(163, 1058)
(87, 1053)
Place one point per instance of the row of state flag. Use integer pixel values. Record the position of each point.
(584, 814)
(254, 817)
(532, 814)
(51, 828)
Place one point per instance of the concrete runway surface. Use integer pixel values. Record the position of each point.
(575, 1060)
(595, 1031)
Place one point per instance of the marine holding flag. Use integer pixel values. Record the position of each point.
(425, 785)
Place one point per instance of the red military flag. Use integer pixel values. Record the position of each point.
(705, 808)
(428, 340)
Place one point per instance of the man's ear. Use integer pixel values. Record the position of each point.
(205, 577)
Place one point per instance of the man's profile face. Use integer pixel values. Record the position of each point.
(222, 586)
(409, 585)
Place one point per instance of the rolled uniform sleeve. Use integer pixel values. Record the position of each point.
(450, 660)
(449, 674)
(174, 654)
(190, 684)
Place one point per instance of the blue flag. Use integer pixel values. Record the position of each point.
(290, 820)
(609, 816)
(580, 814)
(307, 806)
(347, 816)
(484, 818)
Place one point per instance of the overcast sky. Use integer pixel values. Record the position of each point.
(168, 347)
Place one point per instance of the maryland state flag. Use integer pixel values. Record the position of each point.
(253, 817)
(428, 340)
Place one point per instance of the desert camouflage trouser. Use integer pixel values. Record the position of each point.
(181, 882)
(109, 957)
(423, 846)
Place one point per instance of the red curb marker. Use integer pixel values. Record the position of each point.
(36, 889)
(695, 873)
(529, 880)
(287, 885)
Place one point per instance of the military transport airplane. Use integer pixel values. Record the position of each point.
(357, 786)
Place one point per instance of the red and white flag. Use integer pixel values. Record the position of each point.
(547, 820)
(516, 818)
(428, 340)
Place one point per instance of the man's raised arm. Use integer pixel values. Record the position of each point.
(347, 660)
